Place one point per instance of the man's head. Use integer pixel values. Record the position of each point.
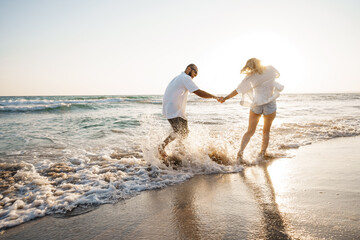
(191, 70)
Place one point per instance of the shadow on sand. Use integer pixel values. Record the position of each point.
(258, 180)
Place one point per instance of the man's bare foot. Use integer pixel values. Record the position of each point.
(162, 152)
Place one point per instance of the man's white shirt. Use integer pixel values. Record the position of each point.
(175, 97)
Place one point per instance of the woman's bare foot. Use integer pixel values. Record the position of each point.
(240, 158)
(261, 156)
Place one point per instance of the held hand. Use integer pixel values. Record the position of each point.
(220, 99)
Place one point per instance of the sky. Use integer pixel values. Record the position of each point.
(135, 47)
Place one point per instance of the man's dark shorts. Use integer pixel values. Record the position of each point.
(179, 125)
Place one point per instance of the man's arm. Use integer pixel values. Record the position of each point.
(204, 94)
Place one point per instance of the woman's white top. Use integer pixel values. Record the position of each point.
(259, 89)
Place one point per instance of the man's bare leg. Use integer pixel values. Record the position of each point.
(162, 146)
(181, 131)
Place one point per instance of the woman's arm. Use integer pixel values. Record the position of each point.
(232, 94)
(243, 87)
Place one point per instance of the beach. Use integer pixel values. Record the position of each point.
(114, 125)
(314, 195)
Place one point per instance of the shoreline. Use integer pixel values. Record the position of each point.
(314, 195)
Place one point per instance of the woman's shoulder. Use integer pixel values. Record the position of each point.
(273, 71)
(269, 67)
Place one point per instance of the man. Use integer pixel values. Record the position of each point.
(174, 104)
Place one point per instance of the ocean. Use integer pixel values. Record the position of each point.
(69, 154)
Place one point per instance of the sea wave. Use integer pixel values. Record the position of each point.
(22, 101)
(53, 103)
(41, 107)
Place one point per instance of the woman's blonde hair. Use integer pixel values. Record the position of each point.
(253, 65)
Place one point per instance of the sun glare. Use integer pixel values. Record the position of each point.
(223, 62)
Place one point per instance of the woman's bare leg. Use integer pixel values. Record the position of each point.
(268, 119)
(253, 122)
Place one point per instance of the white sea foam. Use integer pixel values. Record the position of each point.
(96, 179)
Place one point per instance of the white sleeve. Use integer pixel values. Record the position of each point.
(245, 86)
(190, 85)
(277, 74)
(279, 87)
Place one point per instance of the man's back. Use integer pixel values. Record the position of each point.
(175, 97)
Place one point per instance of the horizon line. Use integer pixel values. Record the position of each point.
(65, 95)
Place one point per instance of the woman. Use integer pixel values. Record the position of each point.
(260, 87)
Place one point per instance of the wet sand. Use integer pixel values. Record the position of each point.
(314, 195)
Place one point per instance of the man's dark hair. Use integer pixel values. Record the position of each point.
(192, 66)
